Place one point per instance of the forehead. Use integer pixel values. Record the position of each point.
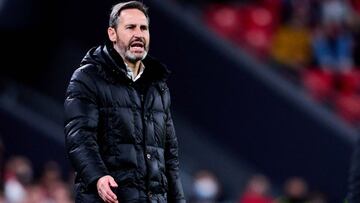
(132, 16)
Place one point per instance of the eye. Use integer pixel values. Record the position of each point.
(144, 27)
(130, 27)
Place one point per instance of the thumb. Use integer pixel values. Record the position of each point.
(113, 183)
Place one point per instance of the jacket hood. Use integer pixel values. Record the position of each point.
(105, 57)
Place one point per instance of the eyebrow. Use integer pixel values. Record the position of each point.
(133, 24)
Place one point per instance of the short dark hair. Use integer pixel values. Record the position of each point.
(117, 8)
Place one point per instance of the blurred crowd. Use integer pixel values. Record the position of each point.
(20, 186)
(208, 189)
(313, 43)
(20, 183)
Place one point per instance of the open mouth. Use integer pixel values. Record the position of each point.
(137, 44)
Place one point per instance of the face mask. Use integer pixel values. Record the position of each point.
(206, 188)
(14, 191)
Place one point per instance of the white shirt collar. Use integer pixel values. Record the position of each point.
(130, 74)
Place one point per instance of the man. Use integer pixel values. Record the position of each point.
(119, 132)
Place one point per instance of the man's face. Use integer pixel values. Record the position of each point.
(131, 36)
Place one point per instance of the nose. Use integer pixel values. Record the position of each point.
(138, 32)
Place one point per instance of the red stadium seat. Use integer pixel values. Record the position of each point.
(259, 23)
(348, 107)
(350, 82)
(356, 5)
(250, 26)
(318, 83)
(223, 19)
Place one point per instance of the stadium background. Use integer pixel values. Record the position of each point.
(242, 114)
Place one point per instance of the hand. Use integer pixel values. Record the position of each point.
(103, 186)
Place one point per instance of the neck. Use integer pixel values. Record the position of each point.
(135, 67)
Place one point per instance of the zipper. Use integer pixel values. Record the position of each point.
(142, 100)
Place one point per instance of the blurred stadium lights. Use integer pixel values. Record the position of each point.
(15, 14)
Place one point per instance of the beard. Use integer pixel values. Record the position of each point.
(131, 57)
(127, 54)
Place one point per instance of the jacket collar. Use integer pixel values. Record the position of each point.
(113, 67)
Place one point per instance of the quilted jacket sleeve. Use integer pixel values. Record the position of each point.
(175, 192)
(81, 120)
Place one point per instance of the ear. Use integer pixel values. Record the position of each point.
(112, 34)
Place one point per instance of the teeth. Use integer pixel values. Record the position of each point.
(137, 45)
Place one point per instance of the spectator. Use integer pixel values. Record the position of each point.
(295, 191)
(206, 188)
(332, 41)
(257, 190)
(51, 179)
(18, 175)
(335, 11)
(36, 194)
(61, 194)
(291, 45)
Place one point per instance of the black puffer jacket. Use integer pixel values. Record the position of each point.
(113, 129)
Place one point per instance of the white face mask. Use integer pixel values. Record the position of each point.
(14, 191)
(206, 188)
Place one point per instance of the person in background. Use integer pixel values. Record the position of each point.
(18, 176)
(119, 132)
(52, 184)
(257, 190)
(332, 43)
(206, 188)
(291, 46)
(295, 191)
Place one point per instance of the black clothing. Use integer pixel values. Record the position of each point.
(353, 195)
(118, 127)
